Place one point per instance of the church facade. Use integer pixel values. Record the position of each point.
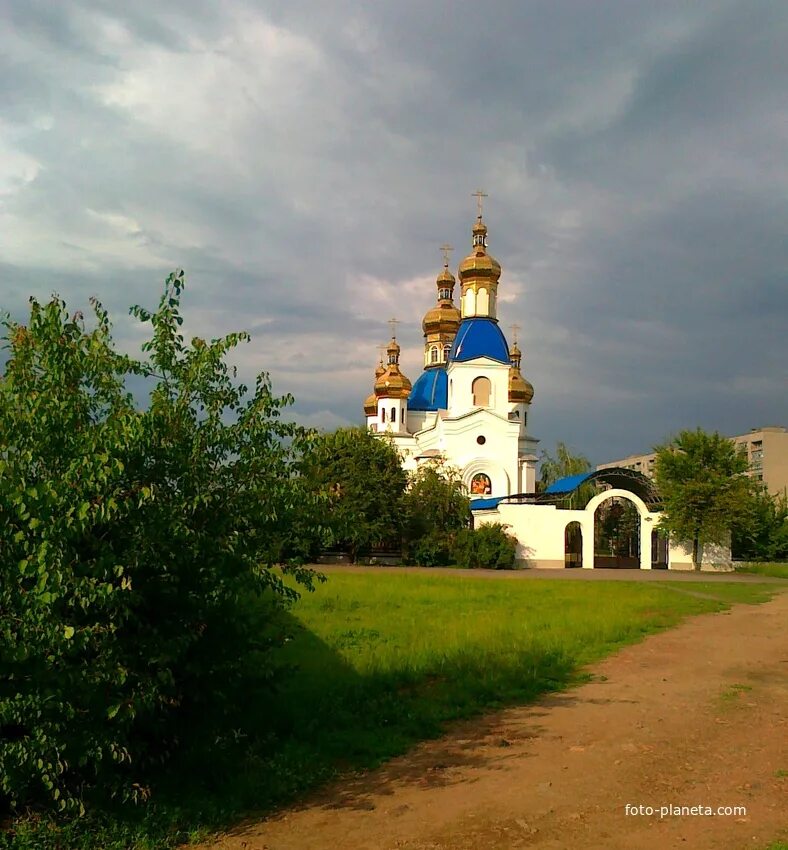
(470, 404)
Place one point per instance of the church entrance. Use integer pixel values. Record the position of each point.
(617, 535)
(573, 545)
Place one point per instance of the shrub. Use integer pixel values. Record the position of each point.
(487, 547)
(128, 539)
(433, 550)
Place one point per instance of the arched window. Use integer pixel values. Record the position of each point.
(481, 388)
(383, 414)
(434, 354)
(446, 350)
(483, 302)
(470, 303)
(393, 414)
(444, 294)
(481, 485)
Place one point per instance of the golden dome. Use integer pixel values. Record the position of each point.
(391, 383)
(370, 405)
(479, 264)
(443, 318)
(520, 390)
(379, 370)
(444, 278)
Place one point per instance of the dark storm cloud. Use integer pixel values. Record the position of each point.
(303, 161)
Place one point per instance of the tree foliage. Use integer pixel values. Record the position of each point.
(760, 532)
(128, 539)
(436, 507)
(704, 488)
(361, 477)
(564, 463)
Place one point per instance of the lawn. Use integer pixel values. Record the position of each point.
(774, 570)
(381, 661)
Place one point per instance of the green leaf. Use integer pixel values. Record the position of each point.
(68, 632)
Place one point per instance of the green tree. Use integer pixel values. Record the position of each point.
(564, 463)
(703, 484)
(361, 477)
(436, 506)
(131, 542)
(760, 532)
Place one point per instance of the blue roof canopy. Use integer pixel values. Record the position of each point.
(431, 390)
(479, 337)
(571, 482)
(485, 504)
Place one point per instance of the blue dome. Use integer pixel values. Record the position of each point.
(431, 390)
(479, 337)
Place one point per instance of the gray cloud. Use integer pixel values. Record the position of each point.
(303, 161)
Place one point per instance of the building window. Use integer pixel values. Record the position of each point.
(481, 440)
(446, 350)
(445, 294)
(434, 354)
(481, 485)
(481, 389)
(383, 414)
(393, 414)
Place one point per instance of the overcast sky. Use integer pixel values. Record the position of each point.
(304, 161)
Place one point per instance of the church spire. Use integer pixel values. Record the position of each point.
(441, 322)
(479, 273)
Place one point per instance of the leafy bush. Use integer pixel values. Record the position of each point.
(128, 539)
(433, 550)
(486, 547)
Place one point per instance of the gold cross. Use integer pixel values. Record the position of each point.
(446, 248)
(478, 194)
(382, 348)
(393, 323)
(514, 328)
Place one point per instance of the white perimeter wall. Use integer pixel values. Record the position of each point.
(540, 529)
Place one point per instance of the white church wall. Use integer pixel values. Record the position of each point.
(461, 378)
(539, 530)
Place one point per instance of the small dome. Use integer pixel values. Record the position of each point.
(445, 278)
(392, 384)
(479, 264)
(444, 318)
(379, 370)
(370, 405)
(520, 390)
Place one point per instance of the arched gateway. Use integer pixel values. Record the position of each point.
(597, 520)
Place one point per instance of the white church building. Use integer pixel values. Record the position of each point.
(470, 404)
(470, 407)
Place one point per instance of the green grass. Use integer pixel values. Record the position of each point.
(382, 661)
(773, 570)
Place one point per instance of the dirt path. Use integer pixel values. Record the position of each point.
(697, 716)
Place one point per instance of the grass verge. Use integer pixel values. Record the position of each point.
(773, 570)
(381, 661)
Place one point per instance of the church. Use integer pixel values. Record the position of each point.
(470, 404)
(469, 407)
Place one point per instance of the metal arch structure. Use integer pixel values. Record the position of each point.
(615, 477)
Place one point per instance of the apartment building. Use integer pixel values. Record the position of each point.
(766, 449)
